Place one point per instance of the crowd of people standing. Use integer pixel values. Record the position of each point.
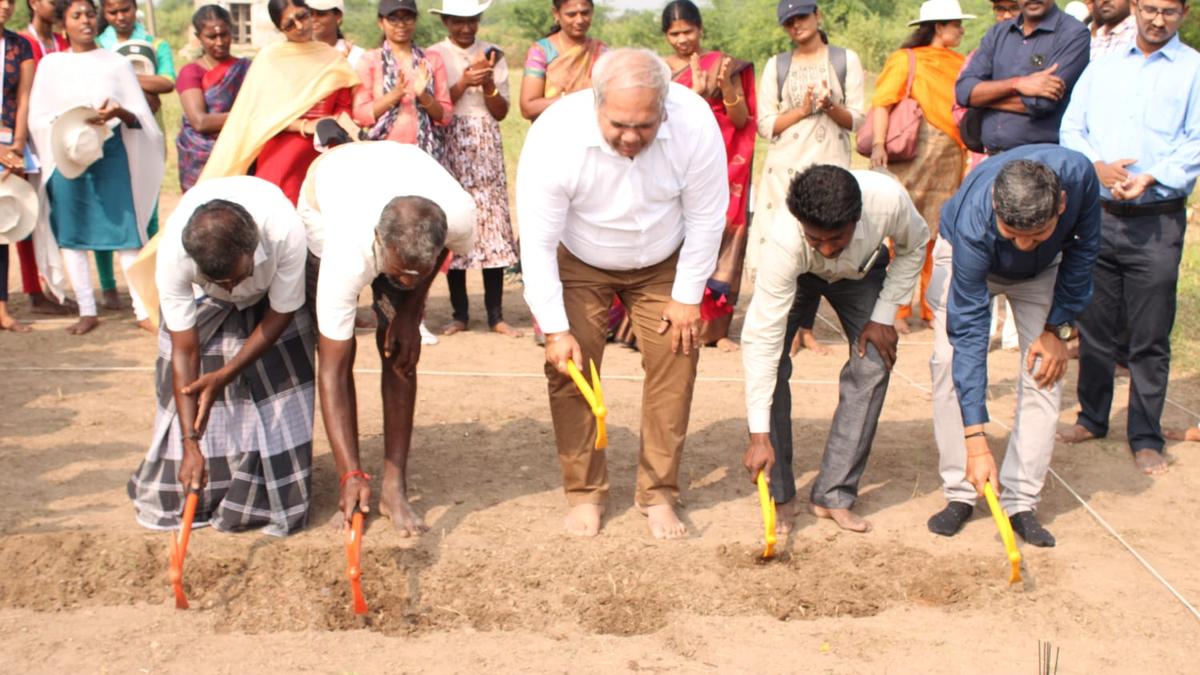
(319, 168)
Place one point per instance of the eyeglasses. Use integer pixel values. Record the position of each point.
(297, 19)
(1168, 13)
(400, 18)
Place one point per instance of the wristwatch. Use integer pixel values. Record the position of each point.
(1064, 331)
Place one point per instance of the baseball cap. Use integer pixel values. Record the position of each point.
(389, 7)
(791, 8)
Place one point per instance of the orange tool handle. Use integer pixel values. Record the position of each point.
(354, 561)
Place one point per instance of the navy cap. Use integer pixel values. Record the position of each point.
(790, 8)
(389, 7)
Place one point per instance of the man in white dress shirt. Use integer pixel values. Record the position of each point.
(235, 377)
(622, 191)
(831, 243)
(379, 214)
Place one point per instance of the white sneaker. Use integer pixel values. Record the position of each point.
(427, 337)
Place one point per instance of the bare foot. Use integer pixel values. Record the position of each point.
(454, 327)
(147, 325)
(727, 345)
(583, 520)
(806, 340)
(785, 517)
(845, 518)
(1191, 435)
(394, 505)
(663, 522)
(85, 325)
(1075, 434)
(901, 326)
(504, 329)
(40, 304)
(110, 300)
(10, 324)
(1151, 462)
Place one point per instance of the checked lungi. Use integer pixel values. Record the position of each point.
(258, 439)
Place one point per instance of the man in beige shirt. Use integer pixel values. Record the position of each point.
(831, 242)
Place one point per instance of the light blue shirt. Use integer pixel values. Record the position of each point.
(1131, 106)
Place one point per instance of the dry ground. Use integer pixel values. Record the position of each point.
(495, 585)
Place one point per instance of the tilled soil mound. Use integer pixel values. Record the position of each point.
(601, 586)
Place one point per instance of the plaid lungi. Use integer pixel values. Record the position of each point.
(258, 439)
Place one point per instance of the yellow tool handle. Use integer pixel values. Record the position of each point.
(1002, 523)
(584, 387)
(768, 512)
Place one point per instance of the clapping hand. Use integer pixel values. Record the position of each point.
(420, 80)
(823, 97)
(699, 77)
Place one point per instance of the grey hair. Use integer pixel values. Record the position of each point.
(631, 68)
(1026, 195)
(217, 235)
(413, 229)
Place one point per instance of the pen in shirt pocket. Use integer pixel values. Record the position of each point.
(870, 261)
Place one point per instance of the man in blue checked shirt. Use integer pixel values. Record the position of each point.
(1025, 223)
(1136, 115)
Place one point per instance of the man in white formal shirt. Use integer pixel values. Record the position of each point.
(622, 191)
(378, 214)
(832, 243)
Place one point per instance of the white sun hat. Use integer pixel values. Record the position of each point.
(462, 8)
(18, 209)
(75, 143)
(941, 10)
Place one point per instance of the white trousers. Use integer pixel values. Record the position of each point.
(80, 275)
(1031, 443)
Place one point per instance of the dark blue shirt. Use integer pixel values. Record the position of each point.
(1006, 52)
(968, 223)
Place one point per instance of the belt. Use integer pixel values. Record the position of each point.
(1127, 209)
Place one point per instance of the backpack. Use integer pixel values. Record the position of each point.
(783, 62)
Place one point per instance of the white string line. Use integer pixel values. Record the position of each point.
(1096, 516)
(376, 371)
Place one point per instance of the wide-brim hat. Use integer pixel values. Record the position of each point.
(941, 10)
(75, 143)
(466, 9)
(18, 209)
(327, 5)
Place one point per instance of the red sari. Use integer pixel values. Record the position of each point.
(721, 294)
(284, 159)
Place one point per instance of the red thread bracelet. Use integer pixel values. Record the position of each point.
(350, 474)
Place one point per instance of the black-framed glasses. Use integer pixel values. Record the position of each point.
(297, 19)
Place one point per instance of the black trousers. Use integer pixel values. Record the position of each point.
(493, 294)
(1135, 277)
(862, 386)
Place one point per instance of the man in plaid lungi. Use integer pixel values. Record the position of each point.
(235, 369)
(379, 214)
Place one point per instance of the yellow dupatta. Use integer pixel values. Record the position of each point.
(284, 81)
(571, 70)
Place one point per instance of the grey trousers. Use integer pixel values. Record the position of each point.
(861, 388)
(1031, 442)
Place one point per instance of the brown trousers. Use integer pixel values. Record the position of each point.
(666, 394)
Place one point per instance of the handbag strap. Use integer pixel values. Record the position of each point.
(912, 72)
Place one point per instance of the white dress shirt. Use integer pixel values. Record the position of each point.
(616, 213)
(888, 212)
(341, 200)
(278, 260)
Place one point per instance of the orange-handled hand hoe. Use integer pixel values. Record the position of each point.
(594, 395)
(768, 515)
(179, 544)
(1006, 533)
(354, 561)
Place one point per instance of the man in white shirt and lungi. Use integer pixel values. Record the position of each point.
(622, 191)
